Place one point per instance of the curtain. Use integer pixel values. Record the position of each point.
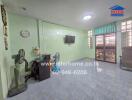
(109, 28)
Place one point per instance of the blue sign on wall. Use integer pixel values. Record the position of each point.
(117, 10)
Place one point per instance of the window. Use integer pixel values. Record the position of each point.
(126, 29)
(130, 38)
(126, 26)
(90, 39)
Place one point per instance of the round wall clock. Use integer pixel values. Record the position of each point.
(25, 34)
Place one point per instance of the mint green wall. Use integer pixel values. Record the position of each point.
(15, 25)
(52, 41)
(18, 23)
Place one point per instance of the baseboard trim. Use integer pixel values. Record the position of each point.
(84, 58)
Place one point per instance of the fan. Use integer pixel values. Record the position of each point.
(57, 57)
(56, 67)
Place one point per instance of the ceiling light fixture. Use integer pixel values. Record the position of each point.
(87, 17)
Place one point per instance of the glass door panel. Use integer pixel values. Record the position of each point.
(110, 40)
(110, 55)
(100, 41)
(106, 47)
(99, 54)
(110, 52)
(100, 47)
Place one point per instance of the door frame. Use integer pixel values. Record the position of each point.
(96, 49)
(104, 47)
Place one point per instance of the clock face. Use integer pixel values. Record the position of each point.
(3, 13)
(25, 34)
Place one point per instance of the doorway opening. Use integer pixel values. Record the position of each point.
(106, 47)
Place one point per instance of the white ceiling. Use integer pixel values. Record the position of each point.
(70, 12)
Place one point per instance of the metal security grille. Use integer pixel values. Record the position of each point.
(90, 39)
(126, 29)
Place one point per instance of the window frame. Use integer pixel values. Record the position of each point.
(126, 28)
(90, 39)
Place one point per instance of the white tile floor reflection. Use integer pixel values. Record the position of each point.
(105, 81)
